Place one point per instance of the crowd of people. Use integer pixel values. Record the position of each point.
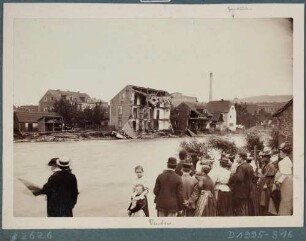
(235, 185)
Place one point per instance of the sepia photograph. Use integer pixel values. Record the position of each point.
(148, 116)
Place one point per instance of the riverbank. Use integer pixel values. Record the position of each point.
(73, 136)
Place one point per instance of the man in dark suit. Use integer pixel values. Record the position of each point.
(168, 191)
(61, 189)
(241, 185)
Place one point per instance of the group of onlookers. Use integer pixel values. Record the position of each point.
(234, 185)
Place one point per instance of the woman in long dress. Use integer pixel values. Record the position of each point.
(284, 181)
(202, 198)
(223, 193)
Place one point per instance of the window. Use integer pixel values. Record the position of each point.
(46, 98)
(51, 98)
(120, 109)
(231, 124)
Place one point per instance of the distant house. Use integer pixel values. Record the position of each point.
(141, 109)
(82, 100)
(223, 115)
(28, 108)
(284, 117)
(190, 116)
(268, 107)
(178, 98)
(37, 121)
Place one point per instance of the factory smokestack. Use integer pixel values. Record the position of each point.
(210, 86)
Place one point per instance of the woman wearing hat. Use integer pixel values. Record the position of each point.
(222, 190)
(203, 195)
(284, 181)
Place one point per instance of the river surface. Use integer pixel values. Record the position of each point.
(104, 170)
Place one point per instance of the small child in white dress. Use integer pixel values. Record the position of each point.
(138, 202)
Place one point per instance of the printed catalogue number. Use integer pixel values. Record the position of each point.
(271, 234)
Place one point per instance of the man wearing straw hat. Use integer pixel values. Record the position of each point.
(61, 189)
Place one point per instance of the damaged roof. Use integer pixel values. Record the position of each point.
(150, 91)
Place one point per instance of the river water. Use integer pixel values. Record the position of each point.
(104, 170)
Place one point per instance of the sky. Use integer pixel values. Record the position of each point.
(248, 57)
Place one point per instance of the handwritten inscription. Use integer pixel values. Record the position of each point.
(274, 235)
(32, 236)
(233, 10)
(159, 222)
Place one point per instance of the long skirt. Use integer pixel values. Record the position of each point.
(242, 207)
(224, 204)
(206, 205)
(255, 201)
(286, 202)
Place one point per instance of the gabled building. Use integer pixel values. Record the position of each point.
(284, 117)
(224, 115)
(140, 108)
(46, 103)
(191, 116)
(37, 121)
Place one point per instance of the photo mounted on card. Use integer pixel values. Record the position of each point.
(153, 116)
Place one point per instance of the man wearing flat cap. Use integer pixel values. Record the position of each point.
(61, 189)
(168, 191)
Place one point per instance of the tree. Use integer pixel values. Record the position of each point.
(253, 139)
(98, 114)
(222, 144)
(244, 117)
(65, 109)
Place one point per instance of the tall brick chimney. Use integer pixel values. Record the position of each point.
(210, 86)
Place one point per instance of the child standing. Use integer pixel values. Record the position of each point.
(140, 179)
(138, 202)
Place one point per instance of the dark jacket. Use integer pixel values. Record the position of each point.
(241, 181)
(62, 192)
(168, 192)
(140, 204)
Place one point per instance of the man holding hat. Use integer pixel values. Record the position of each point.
(61, 189)
(168, 191)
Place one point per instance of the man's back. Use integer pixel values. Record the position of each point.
(243, 180)
(188, 185)
(168, 191)
(61, 190)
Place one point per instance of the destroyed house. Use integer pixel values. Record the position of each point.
(140, 109)
(190, 116)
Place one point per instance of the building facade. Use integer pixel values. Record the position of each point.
(141, 108)
(46, 103)
(178, 98)
(37, 121)
(224, 116)
(190, 116)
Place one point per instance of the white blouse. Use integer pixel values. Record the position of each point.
(220, 177)
(284, 169)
